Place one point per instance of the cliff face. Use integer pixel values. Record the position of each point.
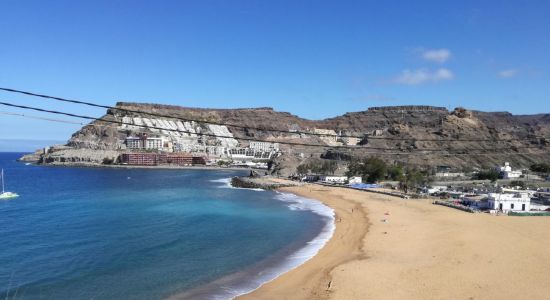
(435, 123)
(385, 126)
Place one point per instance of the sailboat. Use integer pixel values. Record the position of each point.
(6, 195)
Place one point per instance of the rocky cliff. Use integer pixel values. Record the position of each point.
(410, 133)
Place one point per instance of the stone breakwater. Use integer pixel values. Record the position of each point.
(264, 183)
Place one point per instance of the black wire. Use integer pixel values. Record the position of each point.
(249, 139)
(159, 128)
(256, 128)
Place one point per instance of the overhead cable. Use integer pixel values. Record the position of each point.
(257, 140)
(260, 128)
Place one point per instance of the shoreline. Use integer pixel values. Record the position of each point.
(282, 261)
(412, 249)
(312, 279)
(159, 167)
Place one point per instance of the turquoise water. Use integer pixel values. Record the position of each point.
(83, 233)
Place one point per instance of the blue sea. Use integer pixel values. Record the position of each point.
(99, 233)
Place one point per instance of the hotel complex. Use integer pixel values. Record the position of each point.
(187, 143)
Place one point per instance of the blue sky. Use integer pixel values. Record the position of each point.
(315, 59)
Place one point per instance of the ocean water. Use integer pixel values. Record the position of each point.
(86, 233)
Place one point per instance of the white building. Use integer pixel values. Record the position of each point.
(509, 202)
(153, 143)
(264, 146)
(506, 167)
(149, 143)
(512, 174)
(355, 179)
(507, 172)
(133, 142)
(333, 179)
(244, 154)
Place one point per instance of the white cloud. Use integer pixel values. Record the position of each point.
(420, 76)
(508, 73)
(437, 55)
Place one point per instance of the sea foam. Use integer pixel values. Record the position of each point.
(293, 260)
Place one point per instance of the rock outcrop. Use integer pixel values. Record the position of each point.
(258, 183)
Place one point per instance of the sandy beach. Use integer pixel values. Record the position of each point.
(390, 248)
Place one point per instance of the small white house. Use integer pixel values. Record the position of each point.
(512, 174)
(506, 167)
(509, 202)
(507, 172)
(355, 179)
(333, 179)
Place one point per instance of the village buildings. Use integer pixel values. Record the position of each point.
(157, 149)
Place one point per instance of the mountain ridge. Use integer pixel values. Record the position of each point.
(409, 131)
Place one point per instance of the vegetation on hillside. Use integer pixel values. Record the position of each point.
(318, 167)
(490, 174)
(373, 169)
(540, 168)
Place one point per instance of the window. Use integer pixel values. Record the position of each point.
(512, 206)
(523, 207)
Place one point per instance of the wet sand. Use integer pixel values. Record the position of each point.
(390, 248)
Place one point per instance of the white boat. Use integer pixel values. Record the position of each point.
(6, 195)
